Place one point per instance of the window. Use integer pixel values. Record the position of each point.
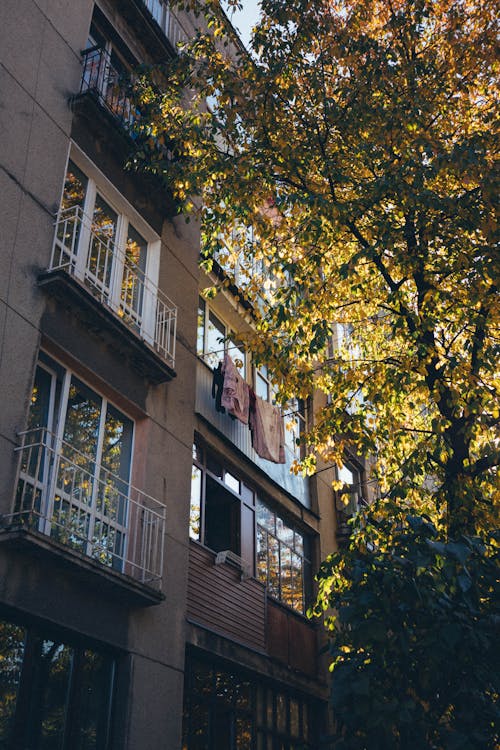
(294, 414)
(53, 695)
(110, 253)
(106, 74)
(217, 517)
(76, 465)
(282, 558)
(232, 709)
(214, 339)
(226, 515)
(350, 496)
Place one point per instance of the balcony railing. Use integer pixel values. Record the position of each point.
(166, 20)
(108, 84)
(67, 496)
(91, 256)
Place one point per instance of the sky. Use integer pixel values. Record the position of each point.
(246, 18)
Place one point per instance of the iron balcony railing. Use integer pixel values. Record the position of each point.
(91, 256)
(67, 496)
(109, 85)
(166, 20)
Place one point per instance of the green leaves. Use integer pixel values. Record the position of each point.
(413, 649)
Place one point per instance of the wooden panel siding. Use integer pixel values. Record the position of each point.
(219, 600)
(291, 639)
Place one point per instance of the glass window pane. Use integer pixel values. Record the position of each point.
(266, 517)
(286, 575)
(273, 566)
(284, 532)
(95, 685)
(194, 514)
(216, 332)
(117, 444)
(261, 554)
(75, 187)
(40, 400)
(81, 428)
(200, 334)
(214, 466)
(262, 388)
(232, 482)
(298, 543)
(12, 639)
(53, 671)
(243, 733)
(100, 262)
(237, 354)
(297, 583)
(134, 273)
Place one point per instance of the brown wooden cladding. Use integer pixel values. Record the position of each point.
(291, 639)
(221, 601)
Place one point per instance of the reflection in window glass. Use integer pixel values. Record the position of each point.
(200, 331)
(214, 347)
(52, 680)
(286, 562)
(12, 639)
(195, 511)
(273, 565)
(62, 693)
(232, 482)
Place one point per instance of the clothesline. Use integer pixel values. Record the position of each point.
(286, 414)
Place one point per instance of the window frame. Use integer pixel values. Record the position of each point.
(26, 720)
(61, 380)
(228, 345)
(98, 185)
(250, 501)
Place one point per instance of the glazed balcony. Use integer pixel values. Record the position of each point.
(102, 276)
(167, 21)
(240, 436)
(84, 508)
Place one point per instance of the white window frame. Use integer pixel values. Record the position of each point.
(56, 423)
(98, 183)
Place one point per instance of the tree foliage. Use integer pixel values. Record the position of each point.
(358, 144)
(414, 647)
(348, 175)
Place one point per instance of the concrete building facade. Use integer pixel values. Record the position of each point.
(154, 571)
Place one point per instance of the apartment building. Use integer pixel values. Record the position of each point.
(154, 570)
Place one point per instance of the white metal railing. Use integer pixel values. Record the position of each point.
(167, 21)
(66, 495)
(90, 255)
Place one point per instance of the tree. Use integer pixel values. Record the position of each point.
(358, 145)
(414, 647)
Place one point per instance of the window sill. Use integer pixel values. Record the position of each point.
(101, 319)
(110, 582)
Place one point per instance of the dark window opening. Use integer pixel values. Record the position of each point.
(222, 519)
(53, 695)
(229, 709)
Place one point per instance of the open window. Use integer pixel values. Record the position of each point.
(222, 518)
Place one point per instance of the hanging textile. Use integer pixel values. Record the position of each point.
(235, 396)
(268, 431)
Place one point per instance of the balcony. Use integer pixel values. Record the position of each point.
(167, 21)
(108, 85)
(239, 435)
(86, 510)
(118, 292)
